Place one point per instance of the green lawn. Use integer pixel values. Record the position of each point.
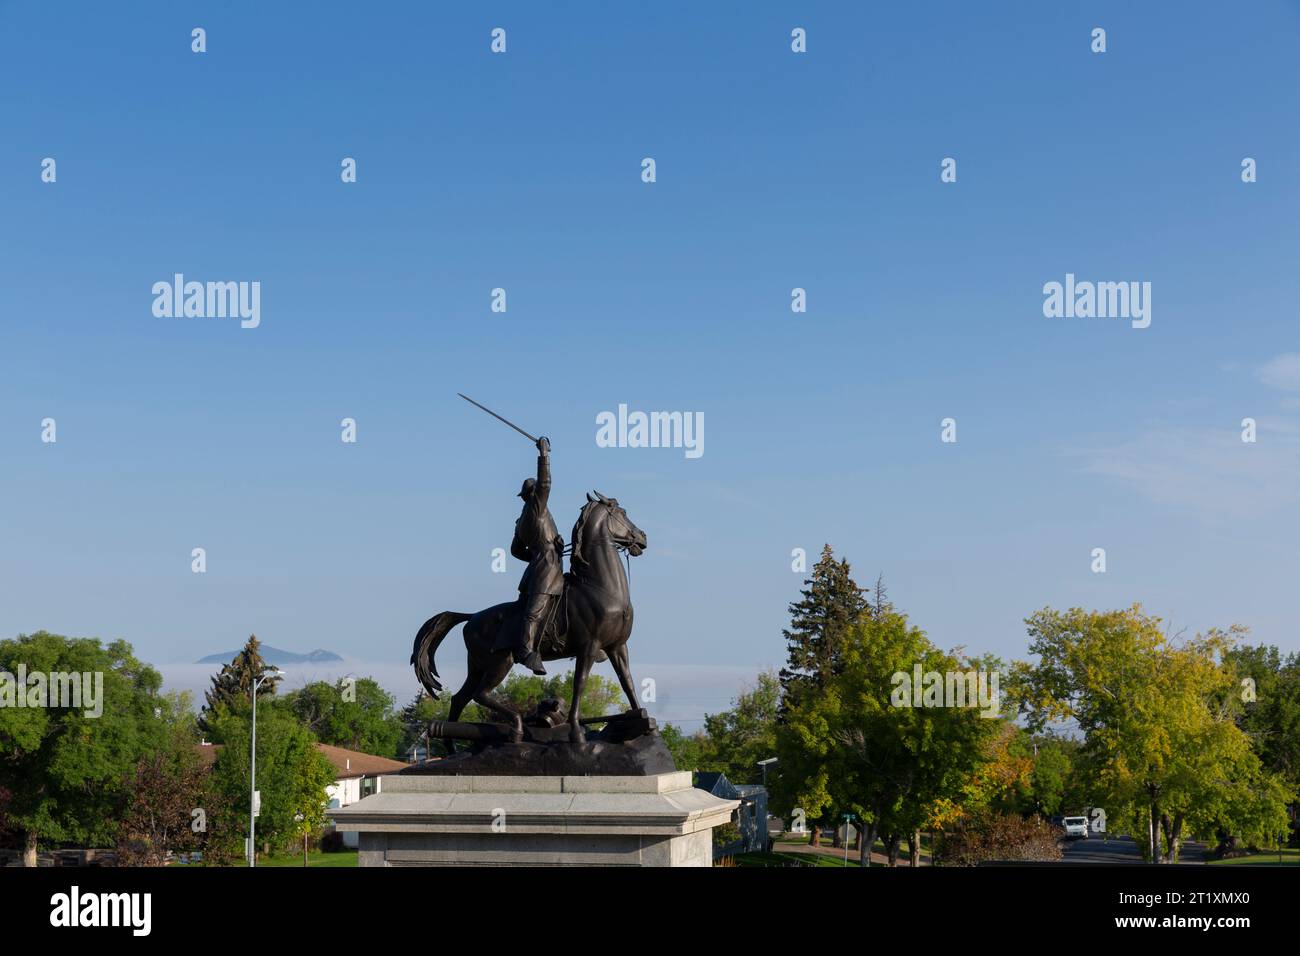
(1290, 857)
(314, 858)
(803, 839)
(786, 859)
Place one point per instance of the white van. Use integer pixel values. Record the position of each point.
(1076, 827)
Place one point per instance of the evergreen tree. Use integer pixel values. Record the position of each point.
(232, 688)
(830, 605)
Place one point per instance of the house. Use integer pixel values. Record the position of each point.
(751, 815)
(356, 774)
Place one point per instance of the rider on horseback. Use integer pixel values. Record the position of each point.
(539, 543)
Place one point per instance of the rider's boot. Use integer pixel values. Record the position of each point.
(532, 660)
(524, 653)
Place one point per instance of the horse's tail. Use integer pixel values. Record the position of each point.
(427, 640)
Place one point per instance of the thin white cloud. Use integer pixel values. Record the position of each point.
(1210, 471)
(1281, 372)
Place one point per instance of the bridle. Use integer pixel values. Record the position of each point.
(624, 548)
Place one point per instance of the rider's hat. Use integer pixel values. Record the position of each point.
(527, 490)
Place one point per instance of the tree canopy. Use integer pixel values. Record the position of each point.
(64, 768)
(352, 713)
(1161, 748)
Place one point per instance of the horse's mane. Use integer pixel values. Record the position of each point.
(576, 556)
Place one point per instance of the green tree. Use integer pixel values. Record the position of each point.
(232, 687)
(291, 773)
(65, 768)
(1266, 697)
(1001, 782)
(7, 834)
(830, 604)
(1055, 787)
(356, 714)
(171, 804)
(687, 749)
(1161, 749)
(600, 695)
(736, 739)
(415, 717)
(856, 749)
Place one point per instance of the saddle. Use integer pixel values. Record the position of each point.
(551, 640)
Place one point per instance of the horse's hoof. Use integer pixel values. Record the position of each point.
(576, 736)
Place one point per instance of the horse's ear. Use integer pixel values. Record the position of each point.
(589, 498)
(600, 496)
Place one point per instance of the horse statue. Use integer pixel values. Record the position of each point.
(595, 622)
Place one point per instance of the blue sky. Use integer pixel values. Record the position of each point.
(775, 170)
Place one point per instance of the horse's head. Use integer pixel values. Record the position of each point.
(607, 514)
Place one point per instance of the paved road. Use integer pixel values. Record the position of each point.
(1120, 850)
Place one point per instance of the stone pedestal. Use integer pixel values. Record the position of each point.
(420, 820)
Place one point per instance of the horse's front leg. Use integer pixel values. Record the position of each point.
(618, 659)
(582, 667)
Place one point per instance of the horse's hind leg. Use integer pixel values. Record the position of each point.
(618, 659)
(459, 701)
(484, 697)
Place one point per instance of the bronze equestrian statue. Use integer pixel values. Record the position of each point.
(590, 607)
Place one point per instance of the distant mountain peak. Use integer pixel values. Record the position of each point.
(276, 656)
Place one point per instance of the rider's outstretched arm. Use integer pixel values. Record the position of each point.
(543, 490)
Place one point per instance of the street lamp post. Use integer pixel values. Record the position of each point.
(299, 818)
(252, 769)
(767, 835)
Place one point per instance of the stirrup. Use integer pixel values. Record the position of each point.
(533, 661)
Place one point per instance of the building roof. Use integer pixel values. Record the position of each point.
(353, 763)
(716, 784)
(207, 753)
(348, 764)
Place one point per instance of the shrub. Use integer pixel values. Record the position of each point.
(995, 837)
